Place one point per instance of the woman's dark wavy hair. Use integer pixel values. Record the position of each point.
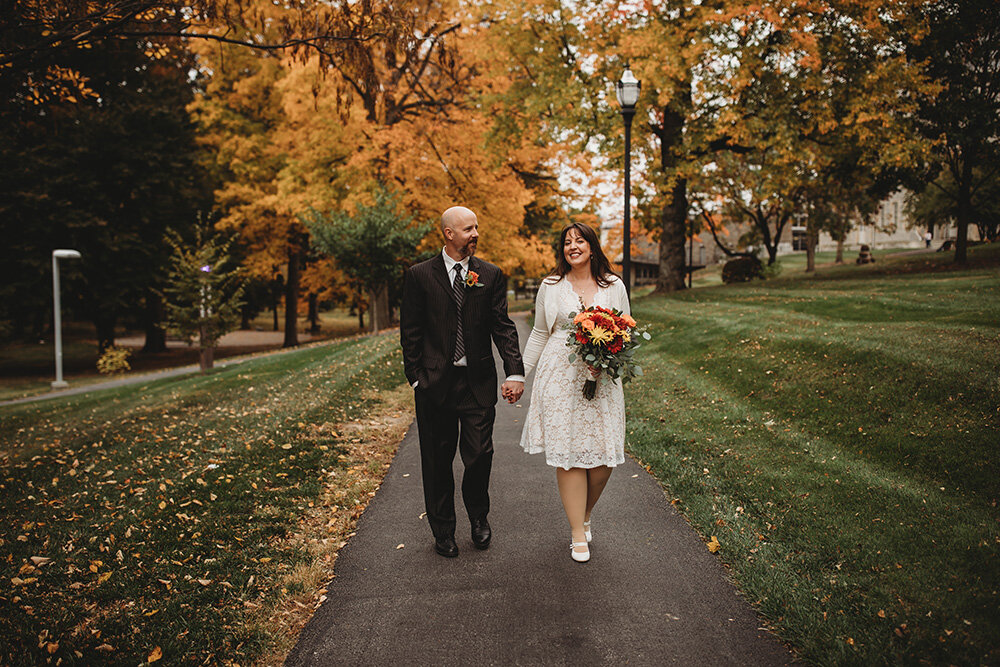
(600, 267)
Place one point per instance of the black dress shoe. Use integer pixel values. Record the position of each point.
(481, 533)
(446, 546)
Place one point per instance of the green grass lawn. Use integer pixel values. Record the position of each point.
(28, 368)
(839, 435)
(793, 265)
(169, 516)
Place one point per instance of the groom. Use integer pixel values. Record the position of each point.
(452, 306)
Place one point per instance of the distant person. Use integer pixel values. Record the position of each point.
(453, 305)
(582, 439)
(928, 237)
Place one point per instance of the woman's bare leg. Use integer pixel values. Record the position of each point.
(597, 479)
(573, 491)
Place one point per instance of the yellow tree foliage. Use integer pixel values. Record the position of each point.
(293, 134)
(835, 70)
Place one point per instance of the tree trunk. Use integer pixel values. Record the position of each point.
(206, 353)
(105, 325)
(373, 317)
(839, 259)
(378, 308)
(812, 240)
(772, 253)
(156, 336)
(963, 213)
(313, 313)
(292, 300)
(673, 217)
(275, 298)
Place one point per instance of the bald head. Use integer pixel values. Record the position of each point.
(461, 232)
(454, 216)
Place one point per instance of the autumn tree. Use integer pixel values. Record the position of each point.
(240, 112)
(38, 38)
(428, 131)
(708, 69)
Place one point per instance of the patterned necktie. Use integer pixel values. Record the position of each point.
(458, 286)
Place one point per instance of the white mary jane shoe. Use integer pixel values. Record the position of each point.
(586, 531)
(579, 556)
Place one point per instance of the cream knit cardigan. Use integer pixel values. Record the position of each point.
(545, 320)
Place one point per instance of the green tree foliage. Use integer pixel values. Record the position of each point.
(934, 206)
(961, 53)
(370, 246)
(204, 291)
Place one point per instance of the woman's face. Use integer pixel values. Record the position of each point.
(576, 250)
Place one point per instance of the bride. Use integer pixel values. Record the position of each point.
(583, 439)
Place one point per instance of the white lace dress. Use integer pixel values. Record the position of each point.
(572, 431)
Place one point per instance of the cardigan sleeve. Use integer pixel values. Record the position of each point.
(539, 333)
(623, 304)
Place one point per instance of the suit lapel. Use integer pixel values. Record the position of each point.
(441, 276)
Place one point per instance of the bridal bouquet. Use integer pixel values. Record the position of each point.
(605, 339)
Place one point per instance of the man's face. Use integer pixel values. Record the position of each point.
(464, 235)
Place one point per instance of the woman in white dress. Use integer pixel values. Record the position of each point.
(583, 439)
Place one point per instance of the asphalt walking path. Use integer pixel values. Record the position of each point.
(652, 594)
(142, 378)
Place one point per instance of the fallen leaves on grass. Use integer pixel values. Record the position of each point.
(326, 526)
(713, 544)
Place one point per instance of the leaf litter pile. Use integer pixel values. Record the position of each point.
(192, 520)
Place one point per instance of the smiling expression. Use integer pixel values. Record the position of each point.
(576, 250)
(461, 231)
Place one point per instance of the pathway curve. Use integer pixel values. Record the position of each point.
(651, 594)
(87, 387)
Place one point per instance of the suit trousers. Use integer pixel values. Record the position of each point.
(448, 421)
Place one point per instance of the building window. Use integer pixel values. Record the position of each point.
(799, 239)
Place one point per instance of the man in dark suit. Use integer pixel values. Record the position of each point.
(453, 305)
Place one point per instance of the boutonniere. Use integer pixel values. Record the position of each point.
(472, 280)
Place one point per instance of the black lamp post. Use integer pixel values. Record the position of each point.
(628, 94)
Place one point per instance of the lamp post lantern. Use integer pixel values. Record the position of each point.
(627, 91)
(57, 314)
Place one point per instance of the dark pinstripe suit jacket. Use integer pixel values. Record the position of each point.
(428, 320)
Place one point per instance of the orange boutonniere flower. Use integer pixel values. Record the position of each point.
(472, 280)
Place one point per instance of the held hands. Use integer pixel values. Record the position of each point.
(511, 391)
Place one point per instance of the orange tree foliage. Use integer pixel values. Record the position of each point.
(290, 135)
(836, 69)
(38, 37)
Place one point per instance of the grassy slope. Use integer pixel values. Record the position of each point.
(136, 494)
(839, 435)
(27, 369)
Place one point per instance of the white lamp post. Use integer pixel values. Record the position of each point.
(627, 91)
(57, 321)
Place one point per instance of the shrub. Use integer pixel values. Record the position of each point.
(741, 270)
(114, 360)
